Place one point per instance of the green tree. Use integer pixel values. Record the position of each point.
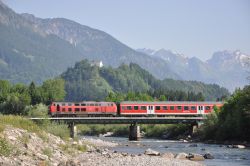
(53, 90)
(5, 87)
(33, 93)
(232, 122)
(162, 98)
(235, 116)
(15, 103)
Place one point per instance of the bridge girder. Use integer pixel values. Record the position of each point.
(127, 120)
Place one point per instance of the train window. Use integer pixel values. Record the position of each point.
(91, 104)
(70, 109)
(69, 104)
(77, 104)
(165, 108)
(135, 107)
(63, 104)
(111, 104)
(96, 104)
(77, 109)
(83, 104)
(129, 107)
(83, 109)
(179, 107)
(208, 107)
(171, 107)
(143, 108)
(186, 108)
(157, 107)
(193, 107)
(63, 110)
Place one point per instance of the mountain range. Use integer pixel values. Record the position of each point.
(35, 49)
(226, 68)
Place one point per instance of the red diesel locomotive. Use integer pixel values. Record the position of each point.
(132, 108)
(86, 108)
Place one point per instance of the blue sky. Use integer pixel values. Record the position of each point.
(191, 27)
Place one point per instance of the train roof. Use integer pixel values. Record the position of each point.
(170, 102)
(82, 102)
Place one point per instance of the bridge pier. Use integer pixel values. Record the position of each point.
(195, 127)
(73, 130)
(134, 132)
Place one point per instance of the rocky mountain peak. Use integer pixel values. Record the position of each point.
(147, 51)
(223, 58)
(167, 55)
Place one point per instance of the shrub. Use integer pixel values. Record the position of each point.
(71, 149)
(82, 148)
(209, 128)
(58, 129)
(47, 151)
(39, 110)
(5, 148)
(24, 139)
(1, 128)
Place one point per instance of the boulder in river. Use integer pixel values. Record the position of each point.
(240, 146)
(208, 156)
(108, 134)
(237, 146)
(230, 146)
(182, 156)
(168, 155)
(151, 152)
(195, 157)
(193, 145)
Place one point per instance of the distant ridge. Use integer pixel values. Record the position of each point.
(226, 68)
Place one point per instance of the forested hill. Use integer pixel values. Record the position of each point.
(87, 82)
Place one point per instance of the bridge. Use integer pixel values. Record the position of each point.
(134, 121)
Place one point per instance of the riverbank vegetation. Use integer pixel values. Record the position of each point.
(164, 131)
(232, 122)
(57, 129)
(14, 98)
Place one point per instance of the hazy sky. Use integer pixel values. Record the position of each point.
(191, 27)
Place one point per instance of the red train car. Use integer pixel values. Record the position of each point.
(86, 108)
(175, 108)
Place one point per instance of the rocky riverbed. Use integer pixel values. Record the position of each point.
(24, 148)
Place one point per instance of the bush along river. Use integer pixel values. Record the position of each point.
(221, 154)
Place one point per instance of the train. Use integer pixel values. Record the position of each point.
(132, 108)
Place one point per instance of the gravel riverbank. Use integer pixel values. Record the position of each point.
(107, 158)
(20, 147)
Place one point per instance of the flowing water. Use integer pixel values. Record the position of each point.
(222, 154)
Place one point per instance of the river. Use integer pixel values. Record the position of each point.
(222, 155)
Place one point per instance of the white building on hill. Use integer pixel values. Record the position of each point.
(96, 63)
